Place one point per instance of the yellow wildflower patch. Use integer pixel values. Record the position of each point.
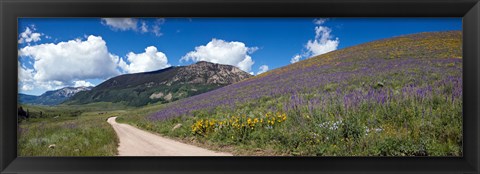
(206, 126)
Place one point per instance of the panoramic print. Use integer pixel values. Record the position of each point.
(240, 87)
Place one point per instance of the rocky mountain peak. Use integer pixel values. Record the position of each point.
(202, 62)
(67, 91)
(210, 73)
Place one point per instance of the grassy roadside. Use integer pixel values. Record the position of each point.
(300, 134)
(138, 118)
(83, 131)
(68, 131)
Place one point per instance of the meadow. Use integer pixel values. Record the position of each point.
(68, 131)
(393, 97)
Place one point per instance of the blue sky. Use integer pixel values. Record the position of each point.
(59, 52)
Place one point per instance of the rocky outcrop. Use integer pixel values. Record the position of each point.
(210, 73)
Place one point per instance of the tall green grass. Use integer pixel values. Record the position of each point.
(60, 133)
(397, 130)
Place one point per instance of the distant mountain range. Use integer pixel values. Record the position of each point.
(163, 86)
(54, 97)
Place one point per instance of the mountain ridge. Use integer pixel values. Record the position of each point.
(52, 97)
(163, 85)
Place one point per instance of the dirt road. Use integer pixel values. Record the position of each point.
(136, 142)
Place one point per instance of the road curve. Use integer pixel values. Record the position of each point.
(136, 142)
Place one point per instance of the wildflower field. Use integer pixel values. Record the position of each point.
(393, 97)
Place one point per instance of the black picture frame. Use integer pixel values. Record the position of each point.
(10, 10)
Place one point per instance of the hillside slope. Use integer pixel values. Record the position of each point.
(392, 97)
(378, 61)
(164, 85)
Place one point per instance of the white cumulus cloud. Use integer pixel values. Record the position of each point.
(144, 27)
(135, 24)
(27, 82)
(223, 52)
(156, 27)
(60, 64)
(122, 24)
(29, 35)
(323, 42)
(25, 77)
(74, 62)
(319, 21)
(156, 30)
(295, 58)
(149, 60)
(262, 69)
(80, 83)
